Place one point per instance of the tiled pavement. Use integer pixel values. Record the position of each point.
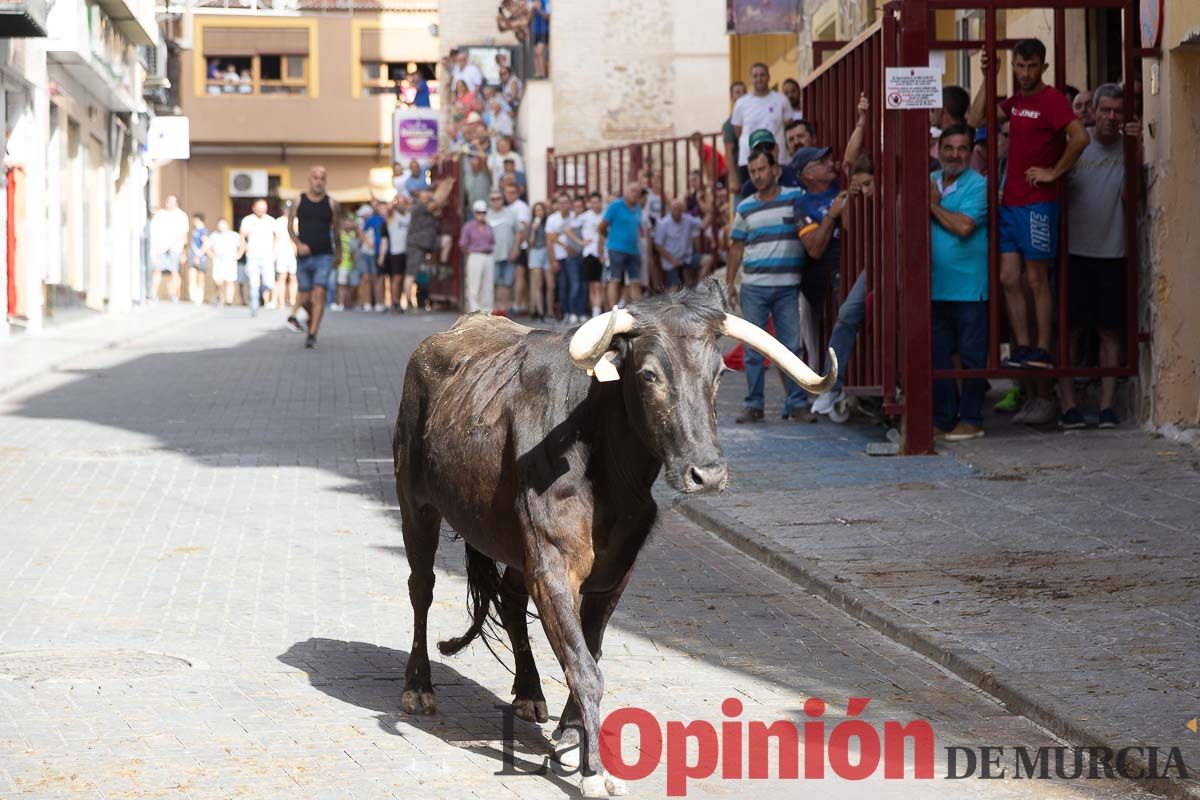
(201, 548)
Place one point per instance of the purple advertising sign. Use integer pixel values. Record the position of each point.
(414, 134)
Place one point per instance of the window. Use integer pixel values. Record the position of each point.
(381, 77)
(256, 61)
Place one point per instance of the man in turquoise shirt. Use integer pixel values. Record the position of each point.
(959, 253)
(620, 229)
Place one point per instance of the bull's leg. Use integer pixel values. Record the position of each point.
(529, 703)
(595, 611)
(554, 593)
(421, 526)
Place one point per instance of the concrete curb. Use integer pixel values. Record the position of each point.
(11, 381)
(1019, 695)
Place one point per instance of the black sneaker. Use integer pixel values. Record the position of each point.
(749, 415)
(310, 342)
(293, 325)
(1108, 419)
(1072, 420)
(1039, 359)
(1017, 357)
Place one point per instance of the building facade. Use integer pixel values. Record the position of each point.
(617, 73)
(75, 123)
(268, 95)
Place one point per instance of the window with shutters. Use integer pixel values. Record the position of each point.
(256, 61)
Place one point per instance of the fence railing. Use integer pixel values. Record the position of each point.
(829, 97)
(670, 161)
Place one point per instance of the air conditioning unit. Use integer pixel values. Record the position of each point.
(248, 183)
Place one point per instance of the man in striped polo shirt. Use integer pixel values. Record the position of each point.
(766, 246)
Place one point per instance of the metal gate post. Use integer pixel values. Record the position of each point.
(916, 349)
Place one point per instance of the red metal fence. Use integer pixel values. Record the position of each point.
(829, 97)
(670, 161)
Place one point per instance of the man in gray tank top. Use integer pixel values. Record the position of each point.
(1097, 280)
(312, 222)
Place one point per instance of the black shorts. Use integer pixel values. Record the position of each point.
(394, 264)
(1096, 292)
(593, 270)
(814, 283)
(523, 258)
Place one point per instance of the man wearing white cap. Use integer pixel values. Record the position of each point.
(478, 240)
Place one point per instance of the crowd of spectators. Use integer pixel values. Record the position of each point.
(1055, 149)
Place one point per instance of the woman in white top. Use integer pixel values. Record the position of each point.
(224, 248)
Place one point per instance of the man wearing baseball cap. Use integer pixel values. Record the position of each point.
(818, 223)
(478, 240)
(764, 140)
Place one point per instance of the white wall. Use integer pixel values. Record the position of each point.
(536, 108)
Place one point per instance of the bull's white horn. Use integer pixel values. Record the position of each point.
(755, 337)
(594, 337)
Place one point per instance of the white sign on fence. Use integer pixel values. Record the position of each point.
(913, 87)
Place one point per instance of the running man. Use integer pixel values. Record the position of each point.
(312, 222)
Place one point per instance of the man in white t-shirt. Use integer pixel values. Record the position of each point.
(169, 231)
(467, 71)
(593, 267)
(258, 236)
(564, 262)
(512, 200)
(495, 161)
(760, 109)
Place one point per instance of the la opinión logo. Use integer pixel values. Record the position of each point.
(852, 749)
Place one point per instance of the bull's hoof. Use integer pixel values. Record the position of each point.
(602, 785)
(567, 749)
(414, 702)
(531, 710)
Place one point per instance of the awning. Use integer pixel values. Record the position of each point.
(255, 42)
(397, 46)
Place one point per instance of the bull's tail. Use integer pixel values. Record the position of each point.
(483, 590)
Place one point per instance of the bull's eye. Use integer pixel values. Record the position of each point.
(649, 376)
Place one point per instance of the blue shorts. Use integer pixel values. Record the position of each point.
(1030, 230)
(538, 258)
(366, 265)
(622, 265)
(313, 271)
(506, 273)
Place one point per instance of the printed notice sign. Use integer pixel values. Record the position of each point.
(913, 87)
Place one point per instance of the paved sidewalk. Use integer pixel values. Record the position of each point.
(202, 595)
(27, 356)
(1057, 571)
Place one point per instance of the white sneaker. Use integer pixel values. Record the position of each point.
(365, 307)
(1039, 411)
(379, 308)
(335, 307)
(825, 403)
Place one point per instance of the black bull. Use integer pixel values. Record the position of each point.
(544, 469)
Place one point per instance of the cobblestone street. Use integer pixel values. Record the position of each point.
(202, 594)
